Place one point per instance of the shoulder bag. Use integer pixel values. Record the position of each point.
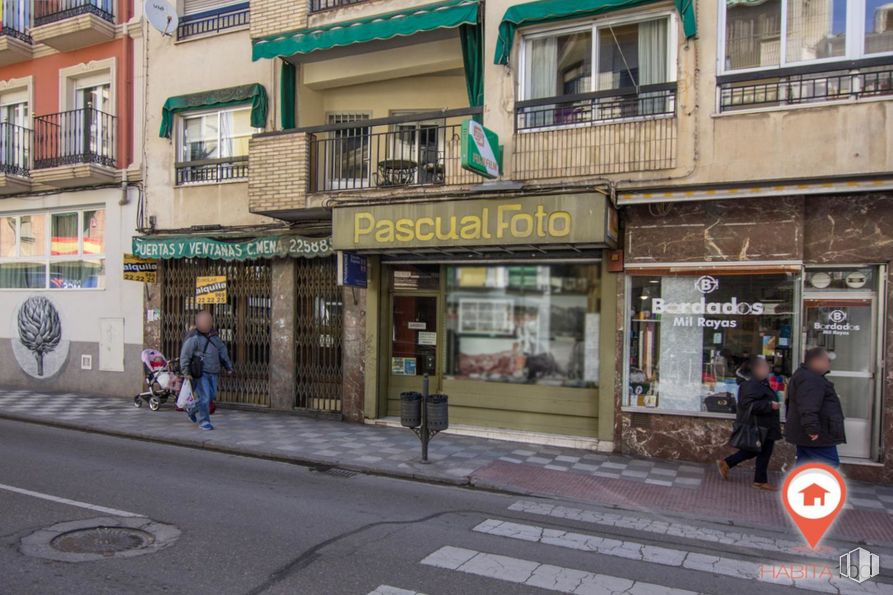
(197, 363)
(746, 433)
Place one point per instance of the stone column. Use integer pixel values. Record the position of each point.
(353, 353)
(282, 335)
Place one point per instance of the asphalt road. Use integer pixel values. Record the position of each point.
(251, 526)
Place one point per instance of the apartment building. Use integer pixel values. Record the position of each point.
(68, 197)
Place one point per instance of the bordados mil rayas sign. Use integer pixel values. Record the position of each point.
(528, 220)
(243, 249)
(480, 151)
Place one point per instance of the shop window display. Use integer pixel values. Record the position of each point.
(525, 324)
(689, 335)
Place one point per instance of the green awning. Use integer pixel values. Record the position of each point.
(547, 11)
(447, 14)
(234, 249)
(255, 94)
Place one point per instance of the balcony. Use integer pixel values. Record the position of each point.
(67, 25)
(804, 85)
(15, 41)
(593, 134)
(320, 5)
(75, 148)
(15, 158)
(226, 19)
(212, 171)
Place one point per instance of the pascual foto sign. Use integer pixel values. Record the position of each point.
(564, 219)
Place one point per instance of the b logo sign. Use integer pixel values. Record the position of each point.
(707, 284)
(837, 316)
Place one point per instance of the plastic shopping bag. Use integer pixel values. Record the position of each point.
(186, 398)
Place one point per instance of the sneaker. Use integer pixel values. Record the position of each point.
(206, 427)
(765, 486)
(192, 417)
(723, 468)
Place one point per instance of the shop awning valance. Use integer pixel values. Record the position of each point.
(547, 11)
(237, 249)
(448, 14)
(255, 94)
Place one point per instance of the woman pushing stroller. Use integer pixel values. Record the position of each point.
(201, 357)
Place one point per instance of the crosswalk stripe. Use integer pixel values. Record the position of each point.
(543, 576)
(668, 528)
(731, 567)
(389, 590)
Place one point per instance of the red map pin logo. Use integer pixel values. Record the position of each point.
(814, 495)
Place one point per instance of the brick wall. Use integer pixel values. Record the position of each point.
(278, 167)
(269, 17)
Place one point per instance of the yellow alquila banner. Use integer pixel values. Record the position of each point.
(210, 290)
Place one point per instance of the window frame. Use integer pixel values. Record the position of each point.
(594, 26)
(855, 42)
(48, 259)
(180, 144)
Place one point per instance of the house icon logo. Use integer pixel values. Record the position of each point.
(813, 495)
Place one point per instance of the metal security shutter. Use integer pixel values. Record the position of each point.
(193, 7)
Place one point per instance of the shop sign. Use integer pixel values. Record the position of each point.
(837, 324)
(237, 250)
(210, 290)
(706, 285)
(480, 151)
(353, 270)
(140, 269)
(528, 220)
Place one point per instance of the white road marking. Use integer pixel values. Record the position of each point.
(544, 576)
(51, 498)
(769, 572)
(389, 590)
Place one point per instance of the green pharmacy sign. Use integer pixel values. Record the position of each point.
(169, 248)
(481, 152)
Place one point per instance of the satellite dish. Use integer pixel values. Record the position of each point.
(161, 15)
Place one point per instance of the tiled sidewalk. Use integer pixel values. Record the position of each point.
(598, 478)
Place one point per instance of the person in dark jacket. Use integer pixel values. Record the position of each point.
(814, 422)
(756, 392)
(204, 343)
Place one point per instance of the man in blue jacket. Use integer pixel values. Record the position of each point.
(204, 344)
(814, 422)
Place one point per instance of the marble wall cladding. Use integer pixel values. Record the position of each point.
(715, 231)
(354, 354)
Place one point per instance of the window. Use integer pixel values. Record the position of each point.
(346, 154)
(609, 55)
(524, 324)
(214, 146)
(59, 250)
(15, 134)
(778, 33)
(689, 334)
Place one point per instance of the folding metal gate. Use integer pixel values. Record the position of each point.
(243, 322)
(318, 332)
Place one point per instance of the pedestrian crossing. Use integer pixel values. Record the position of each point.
(679, 552)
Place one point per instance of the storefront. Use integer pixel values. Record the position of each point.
(275, 302)
(693, 315)
(504, 303)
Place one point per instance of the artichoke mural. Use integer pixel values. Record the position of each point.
(40, 329)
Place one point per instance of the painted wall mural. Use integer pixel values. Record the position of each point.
(38, 344)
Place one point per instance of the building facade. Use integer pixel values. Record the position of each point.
(68, 197)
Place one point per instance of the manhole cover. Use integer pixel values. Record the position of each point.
(101, 540)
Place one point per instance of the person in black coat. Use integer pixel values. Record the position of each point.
(814, 422)
(756, 392)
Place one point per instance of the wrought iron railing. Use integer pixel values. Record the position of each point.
(16, 19)
(212, 170)
(317, 5)
(800, 86)
(76, 136)
(15, 149)
(416, 150)
(50, 11)
(230, 17)
(600, 106)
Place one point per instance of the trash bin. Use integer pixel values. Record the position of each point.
(411, 409)
(438, 416)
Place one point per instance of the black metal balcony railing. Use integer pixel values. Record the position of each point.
(50, 11)
(800, 86)
(601, 106)
(15, 149)
(416, 150)
(77, 136)
(212, 170)
(16, 19)
(318, 5)
(228, 18)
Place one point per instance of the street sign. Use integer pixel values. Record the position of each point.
(353, 270)
(480, 150)
(210, 290)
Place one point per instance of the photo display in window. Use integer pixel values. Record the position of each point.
(689, 336)
(523, 324)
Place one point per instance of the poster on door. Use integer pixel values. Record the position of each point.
(210, 290)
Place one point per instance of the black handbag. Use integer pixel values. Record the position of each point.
(197, 363)
(720, 403)
(747, 434)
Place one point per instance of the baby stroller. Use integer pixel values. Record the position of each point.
(162, 378)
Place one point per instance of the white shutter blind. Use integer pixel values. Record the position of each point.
(191, 7)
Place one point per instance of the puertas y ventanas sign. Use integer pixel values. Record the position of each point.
(528, 220)
(240, 249)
